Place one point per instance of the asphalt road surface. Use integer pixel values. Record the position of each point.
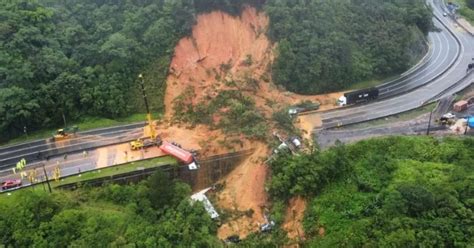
(442, 54)
(78, 162)
(43, 149)
(451, 80)
(418, 126)
(451, 50)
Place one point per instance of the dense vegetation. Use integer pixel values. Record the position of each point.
(467, 10)
(470, 4)
(72, 59)
(154, 213)
(397, 192)
(81, 58)
(231, 111)
(329, 45)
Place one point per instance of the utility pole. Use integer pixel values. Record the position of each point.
(429, 123)
(47, 180)
(25, 131)
(467, 123)
(64, 119)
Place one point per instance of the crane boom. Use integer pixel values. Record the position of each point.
(148, 113)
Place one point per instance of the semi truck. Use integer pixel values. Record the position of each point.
(177, 152)
(359, 96)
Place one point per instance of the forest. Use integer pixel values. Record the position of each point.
(467, 9)
(72, 59)
(154, 213)
(386, 192)
(77, 59)
(326, 46)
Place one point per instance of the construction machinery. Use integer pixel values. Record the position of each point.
(145, 143)
(65, 133)
(152, 140)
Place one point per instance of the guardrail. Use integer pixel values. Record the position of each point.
(456, 84)
(9, 163)
(211, 170)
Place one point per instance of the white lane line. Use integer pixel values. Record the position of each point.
(80, 138)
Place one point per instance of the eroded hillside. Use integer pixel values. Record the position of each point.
(229, 57)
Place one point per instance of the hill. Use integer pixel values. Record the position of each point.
(154, 213)
(76, 59)
(397, 191)
(326, 46)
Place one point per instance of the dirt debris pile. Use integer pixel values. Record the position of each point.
(228, 53)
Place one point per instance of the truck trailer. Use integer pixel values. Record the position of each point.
(363, 95)
(177, 152)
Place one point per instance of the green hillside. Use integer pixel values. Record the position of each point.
(327, 46)
(388, 192)
(77, 60)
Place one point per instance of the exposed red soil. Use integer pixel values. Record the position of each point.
(220, 39)
(244, 190)
(223, 49)
(294, 217)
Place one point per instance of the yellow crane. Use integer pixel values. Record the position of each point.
(153, 139)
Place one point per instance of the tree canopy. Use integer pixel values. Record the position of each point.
(328, 45)
(112, 216)
(75, 59)
(470, 3)
(398, 192)
(81, 58)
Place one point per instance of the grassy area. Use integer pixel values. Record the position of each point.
(406, 116)
(106, 172)
(117, 170)
(86, 123)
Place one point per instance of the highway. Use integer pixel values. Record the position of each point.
(451, 49)
(45, 149)
(431, 82)
(442, 54)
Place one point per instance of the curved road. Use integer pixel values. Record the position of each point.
(438, 79)
(444, 51)
(444, 64)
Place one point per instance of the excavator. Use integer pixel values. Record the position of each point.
(153, 140)
(65, 133)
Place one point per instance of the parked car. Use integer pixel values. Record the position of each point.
(8, 184)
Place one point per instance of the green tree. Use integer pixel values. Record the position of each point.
(470, 3)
